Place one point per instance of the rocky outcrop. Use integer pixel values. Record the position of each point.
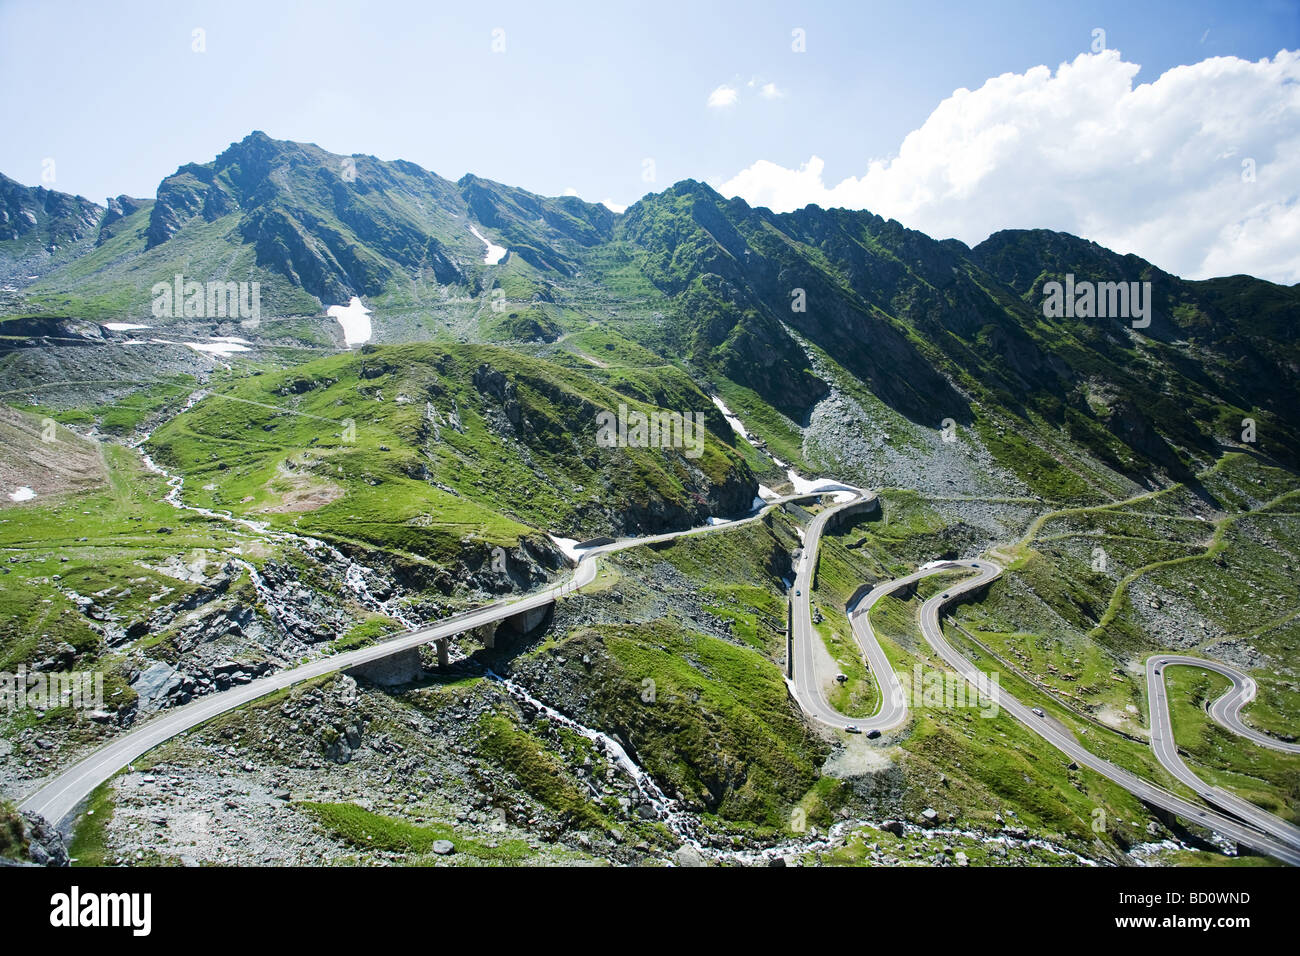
(339, 729)
(119, 209)
(160, 685)
(180, 197)
(45, 845)
(40, 228)
(493, 384)
(57, 217)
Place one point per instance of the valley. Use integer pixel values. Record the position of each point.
(367, 587)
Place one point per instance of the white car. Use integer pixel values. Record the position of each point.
(1039, 712)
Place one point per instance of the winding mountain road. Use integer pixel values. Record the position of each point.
(1248, 825)
(1264, 832)
(807, 683)
(1226, 711)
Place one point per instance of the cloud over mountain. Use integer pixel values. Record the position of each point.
(1198, 171)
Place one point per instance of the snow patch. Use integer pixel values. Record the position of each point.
(494, 252)
(569, 546)
(123, 326)
(739, 428)
(210, 348)
(355, 320)
(736, 424)
(22, 494)
(217, 348)
(805, 486)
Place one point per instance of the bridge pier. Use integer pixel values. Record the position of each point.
(486, 634)
(524, 622)
(444, 657)
(403, 667)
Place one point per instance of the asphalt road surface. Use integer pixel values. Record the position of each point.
(1271, 837)
(1226, 710)
(807, 682)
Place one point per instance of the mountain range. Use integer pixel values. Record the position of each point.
(933, 329)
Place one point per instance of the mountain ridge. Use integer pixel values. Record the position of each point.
(936, 330)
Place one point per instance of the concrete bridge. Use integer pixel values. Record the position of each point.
(60, 796)
(404, 666)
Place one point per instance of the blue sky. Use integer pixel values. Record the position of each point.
(577, 100)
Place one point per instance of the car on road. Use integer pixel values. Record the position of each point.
(1039, 712)
(974, 564)
(796, 592)
(873, 733)
(853, 729)
(945, 593)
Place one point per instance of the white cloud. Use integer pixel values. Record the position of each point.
(767, 90)
(569, 191)
(723, 97)
(1154, 169)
